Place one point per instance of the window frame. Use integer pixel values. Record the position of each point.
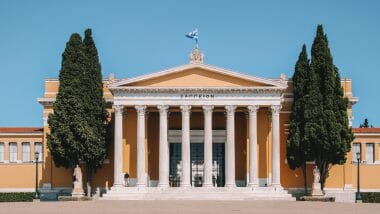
(372, 153)
(2, 145)
(354, 158)
(40, 156)
(11, 153)
(25, 154)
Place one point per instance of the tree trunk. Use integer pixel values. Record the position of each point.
(89, 181)
(304, 172)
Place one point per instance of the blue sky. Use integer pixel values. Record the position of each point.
(261, 38)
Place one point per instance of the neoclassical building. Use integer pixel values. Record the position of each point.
(199, 128)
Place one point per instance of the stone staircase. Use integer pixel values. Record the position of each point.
(198, 193)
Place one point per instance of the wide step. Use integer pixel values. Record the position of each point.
(197, 194)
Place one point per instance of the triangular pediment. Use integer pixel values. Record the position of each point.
(197, 75)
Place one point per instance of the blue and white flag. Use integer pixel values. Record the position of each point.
(193, 35)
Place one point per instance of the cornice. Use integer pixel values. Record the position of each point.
(217, 90)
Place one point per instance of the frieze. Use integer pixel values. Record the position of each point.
(191, 92)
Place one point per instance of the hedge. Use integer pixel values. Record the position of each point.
(370, 197)
(16, 196)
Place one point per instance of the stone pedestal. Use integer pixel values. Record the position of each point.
(78, 190)
(316, 190)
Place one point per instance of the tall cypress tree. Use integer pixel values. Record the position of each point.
(335, 137)
(95, 144)
(78, 123)
(64, 140)
(297, 148)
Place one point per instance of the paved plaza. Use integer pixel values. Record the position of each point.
(209, 207)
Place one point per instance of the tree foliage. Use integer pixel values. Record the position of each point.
(297, 147)
(335, 136)
(319, 128)
(365, 124)
(65, 138)
(78, 123)
(94, 143)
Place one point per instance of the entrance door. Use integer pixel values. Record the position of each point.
(197, 164)
(197, 160)
(175, 160)
(218, 158)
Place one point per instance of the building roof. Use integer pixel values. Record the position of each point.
(366, 130)
(20, 130)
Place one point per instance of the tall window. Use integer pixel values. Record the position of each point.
(356, 149)
(13, 152)
(2, 152)
(25, 152)
(38, 148)
(369, 152)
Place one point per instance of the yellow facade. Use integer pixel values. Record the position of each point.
(20, 175)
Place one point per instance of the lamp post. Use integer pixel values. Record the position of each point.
(358, 196)
(36, 154)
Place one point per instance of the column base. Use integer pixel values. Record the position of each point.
(163, 185)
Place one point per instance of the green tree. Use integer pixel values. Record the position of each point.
(94, 145)
(78, 124)
(365, 124)
(297, 147)
(335, 137)
(64, 140)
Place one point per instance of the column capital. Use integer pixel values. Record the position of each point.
(230, 108)
(276, 109)
(163, 108)
(118, 108)
(140, 110)
(185, 108)
(253, 108)
(207, 108)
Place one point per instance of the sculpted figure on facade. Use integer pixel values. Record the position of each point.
(317, 174)
(78, 176)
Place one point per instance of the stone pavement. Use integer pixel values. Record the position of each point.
(182, 206)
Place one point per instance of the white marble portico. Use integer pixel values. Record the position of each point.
(268, 94)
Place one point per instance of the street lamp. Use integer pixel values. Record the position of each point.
(358, 196)
(36, 154)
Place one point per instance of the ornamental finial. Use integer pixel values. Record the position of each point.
(196, 56)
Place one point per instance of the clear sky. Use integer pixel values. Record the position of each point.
(261, 38)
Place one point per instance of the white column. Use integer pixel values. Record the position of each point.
(207, 111)
(141, 179)
(253, 164)
(230, 147)
(185, 181)
(163, 147)
(118, 147)
(276, 145)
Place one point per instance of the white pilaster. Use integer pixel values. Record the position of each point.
(253, 164)
(230, 147)
(118, 147)
(185, 181)
(141, 180)
(207, 111)
(163, 147)
(276, 145)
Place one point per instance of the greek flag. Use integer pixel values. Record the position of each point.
(193, 35)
